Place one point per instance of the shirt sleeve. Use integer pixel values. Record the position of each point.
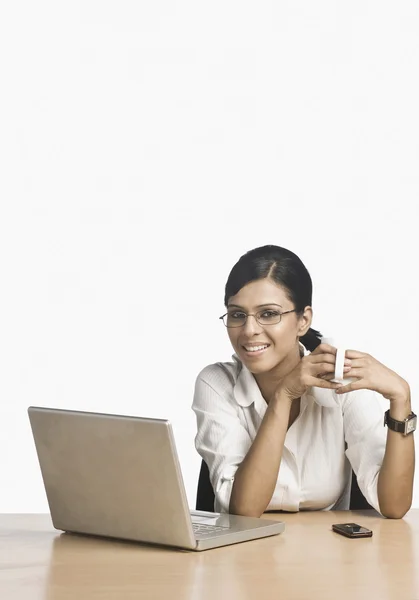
(365, 436)
(222, 440)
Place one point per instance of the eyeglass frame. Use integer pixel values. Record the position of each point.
(257, 320)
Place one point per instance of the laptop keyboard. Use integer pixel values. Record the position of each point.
(201, 529)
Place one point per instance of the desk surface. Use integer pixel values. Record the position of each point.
(307, 561)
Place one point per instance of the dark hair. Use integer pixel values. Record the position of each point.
(284, 268)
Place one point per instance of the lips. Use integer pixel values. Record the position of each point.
(250, 348)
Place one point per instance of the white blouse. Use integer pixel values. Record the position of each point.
(314, 473)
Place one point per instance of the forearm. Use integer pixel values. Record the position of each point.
(256, 478)
(395, 480)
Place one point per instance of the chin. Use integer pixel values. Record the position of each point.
(257, 370)
(258, 367)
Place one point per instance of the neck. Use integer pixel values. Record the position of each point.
(269, 381)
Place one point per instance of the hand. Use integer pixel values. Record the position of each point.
(313, 370)
(370, 374)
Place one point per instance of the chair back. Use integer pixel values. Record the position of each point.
(205, 494)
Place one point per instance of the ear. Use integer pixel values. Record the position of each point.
(304, 322)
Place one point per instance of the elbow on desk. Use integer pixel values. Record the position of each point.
(395, 512)
(244, 511)
(242, 507)
(248, 512)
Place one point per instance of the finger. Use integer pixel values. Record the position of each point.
(328, 385)
(326, 348)
(357, 363)
(351, 387)
(322, 383)
(329, 358)
(354, 354)
(329, 376)
(358, 373)
(318, 358)
(328, 372)
(319, 369)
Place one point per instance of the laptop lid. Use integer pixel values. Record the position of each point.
(112, 475)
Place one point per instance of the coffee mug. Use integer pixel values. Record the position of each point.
(326, 397)
(339, 364)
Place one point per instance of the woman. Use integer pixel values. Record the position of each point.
(268, 441)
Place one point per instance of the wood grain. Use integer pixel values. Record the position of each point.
(307, 561)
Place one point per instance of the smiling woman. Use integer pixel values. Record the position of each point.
(269, 441)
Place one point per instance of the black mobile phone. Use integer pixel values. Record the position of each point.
(352, 530)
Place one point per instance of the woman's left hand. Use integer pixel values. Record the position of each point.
(370, 374)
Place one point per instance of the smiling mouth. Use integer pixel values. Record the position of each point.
(255, 349)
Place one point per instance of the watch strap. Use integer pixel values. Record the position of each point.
(407, 426)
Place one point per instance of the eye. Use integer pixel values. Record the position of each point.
(236, 314)
(270, 314)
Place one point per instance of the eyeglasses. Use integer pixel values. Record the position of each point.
(237, 318)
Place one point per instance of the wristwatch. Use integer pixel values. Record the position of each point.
(407, 426)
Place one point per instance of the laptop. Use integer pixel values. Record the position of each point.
(119, 477)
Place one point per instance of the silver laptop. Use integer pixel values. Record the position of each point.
(119, 476)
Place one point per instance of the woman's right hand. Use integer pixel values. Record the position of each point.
(314, 370)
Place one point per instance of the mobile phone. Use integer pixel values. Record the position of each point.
(352, 530)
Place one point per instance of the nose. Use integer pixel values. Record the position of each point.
(251, 327)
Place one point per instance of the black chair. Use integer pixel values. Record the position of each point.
(357, 499)
(205, 494)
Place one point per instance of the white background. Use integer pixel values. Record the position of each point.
(145, 146)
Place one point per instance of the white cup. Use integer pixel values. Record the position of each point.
(326, 397)
(339, 364)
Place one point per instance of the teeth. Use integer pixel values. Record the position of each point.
(255, 348)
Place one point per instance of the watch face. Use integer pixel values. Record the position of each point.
(411, 425)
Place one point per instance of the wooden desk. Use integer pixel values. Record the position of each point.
(306, 562)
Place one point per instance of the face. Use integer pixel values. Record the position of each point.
(274, 343)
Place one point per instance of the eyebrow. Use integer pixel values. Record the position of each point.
(260, 305)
